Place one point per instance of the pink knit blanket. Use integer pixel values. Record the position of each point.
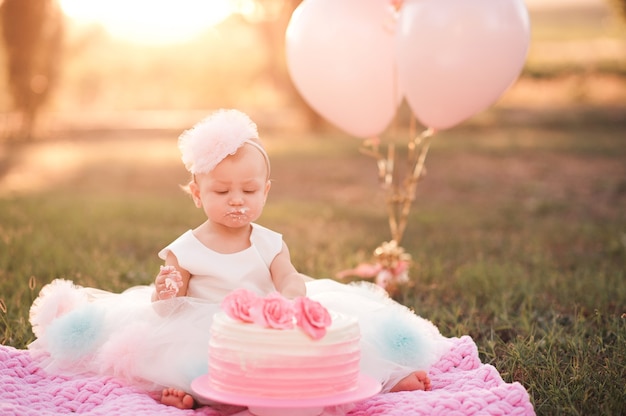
(462, 385)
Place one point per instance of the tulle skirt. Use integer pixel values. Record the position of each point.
(152, 345)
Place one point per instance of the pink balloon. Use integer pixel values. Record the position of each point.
(457, 57)
(340, 56)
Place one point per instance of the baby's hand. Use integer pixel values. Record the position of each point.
(168, 282)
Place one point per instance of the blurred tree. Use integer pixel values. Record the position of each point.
(272, 18)
(32, 31)
(620, 8)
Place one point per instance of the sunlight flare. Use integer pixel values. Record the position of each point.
(150, 21)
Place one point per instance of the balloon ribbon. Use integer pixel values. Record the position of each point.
(390, 268)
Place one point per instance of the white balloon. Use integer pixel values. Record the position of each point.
(457, 57)
(341, 58)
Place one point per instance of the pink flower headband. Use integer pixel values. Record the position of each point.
(214, 138)
(275, 311)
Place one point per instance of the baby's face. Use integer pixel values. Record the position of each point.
(234, 192)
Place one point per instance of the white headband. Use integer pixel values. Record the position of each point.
(263, 152)
(214, 138)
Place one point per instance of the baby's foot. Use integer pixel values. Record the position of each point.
(177, 398)
(415, 381)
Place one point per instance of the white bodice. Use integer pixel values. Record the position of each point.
(213, 274)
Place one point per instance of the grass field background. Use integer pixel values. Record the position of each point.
(518, 232)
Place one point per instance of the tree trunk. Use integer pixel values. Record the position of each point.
(32, 31)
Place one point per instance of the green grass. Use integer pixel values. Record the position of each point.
(518, 233)
(518, 238)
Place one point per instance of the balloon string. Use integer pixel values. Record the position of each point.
(400, 193)
(417, 168)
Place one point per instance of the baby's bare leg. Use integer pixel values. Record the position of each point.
(417, 380)
(177, 398)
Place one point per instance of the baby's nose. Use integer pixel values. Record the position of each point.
(236, 200)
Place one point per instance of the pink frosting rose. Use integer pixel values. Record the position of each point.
(274, 311)
(238, 304)
(312, 317)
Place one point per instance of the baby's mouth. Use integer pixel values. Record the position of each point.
(238, 211)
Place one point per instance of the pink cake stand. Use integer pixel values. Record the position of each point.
(267, 406)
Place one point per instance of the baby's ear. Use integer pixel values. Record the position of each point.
(194, 190)
(268, 185)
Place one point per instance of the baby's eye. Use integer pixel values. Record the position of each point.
(249, 191)
(220, 192)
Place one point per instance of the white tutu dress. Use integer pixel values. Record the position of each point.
(153, 345)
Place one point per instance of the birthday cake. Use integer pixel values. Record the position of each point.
(276, 348)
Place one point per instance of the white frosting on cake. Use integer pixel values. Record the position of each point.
(251, 360)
